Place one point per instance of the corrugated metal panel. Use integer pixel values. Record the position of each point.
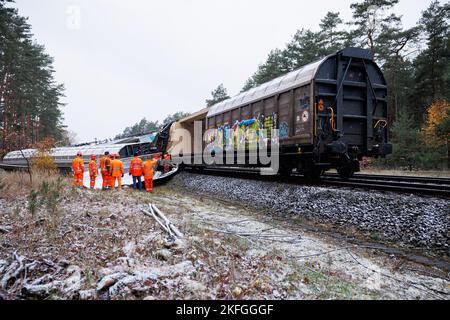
(288, 81)
(28, 153)
(69, 151)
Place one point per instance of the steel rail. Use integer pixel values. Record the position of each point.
(412, 185)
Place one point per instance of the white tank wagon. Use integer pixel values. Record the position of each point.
(145, 145)
(64, 156)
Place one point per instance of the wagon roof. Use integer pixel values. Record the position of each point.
(69, 151)
(286, 82)
(291, 80)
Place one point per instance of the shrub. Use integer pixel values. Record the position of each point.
(33, 202)
(409, 149)
(47, 196)
(42, 161)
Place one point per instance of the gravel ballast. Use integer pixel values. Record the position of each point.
(408, 219)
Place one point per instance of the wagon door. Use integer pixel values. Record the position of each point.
(352, 91)
(361, 102)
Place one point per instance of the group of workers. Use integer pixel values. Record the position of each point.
(112, 170)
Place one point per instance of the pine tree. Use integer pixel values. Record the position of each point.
(334, 38)
(305, 47)
(406, 141)
(30, 107)
(277, 64)
(218, 95)
(432, 66)
(370, 19)
(175, 117)
(142, 127)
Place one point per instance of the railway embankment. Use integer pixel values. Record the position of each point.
(59, 243)
(407, 220)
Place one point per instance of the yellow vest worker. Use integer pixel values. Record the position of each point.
(148, 174)
(93, 170)
(116, 171)
(78, 170)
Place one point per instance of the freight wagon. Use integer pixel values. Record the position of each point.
(327, 115)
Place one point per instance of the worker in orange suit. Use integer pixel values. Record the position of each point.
(167, 158)
(136, 166)
(117, 171)
(78, 170)
(93, 170)
(148, 170)
(105, 168)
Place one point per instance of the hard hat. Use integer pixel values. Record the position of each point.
(107, 153)
(79, 154)
(93, 156)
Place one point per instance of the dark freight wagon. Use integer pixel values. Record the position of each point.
(329, 114)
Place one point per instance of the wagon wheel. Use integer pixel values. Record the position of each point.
(345, 172)
(285, 170)
(313, 174)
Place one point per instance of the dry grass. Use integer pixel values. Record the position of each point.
(14, 184)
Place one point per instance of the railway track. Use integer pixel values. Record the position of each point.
(403, 184)
(415, 185)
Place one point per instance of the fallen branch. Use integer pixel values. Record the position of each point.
(169, 224)
(152, 215)
(164, 221)
(34, 223)
(4, 229)
(13, 271)
(41, 290)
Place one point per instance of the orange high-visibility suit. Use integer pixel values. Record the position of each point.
(167, 157)
(93, 172)
(105, 168)
(78, 171)
(148, 174)
(136, 167)
(116, 172)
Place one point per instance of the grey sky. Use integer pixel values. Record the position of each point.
(134, 59)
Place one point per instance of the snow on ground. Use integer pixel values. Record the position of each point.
(83, 244)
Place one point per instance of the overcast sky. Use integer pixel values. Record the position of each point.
(121, 61)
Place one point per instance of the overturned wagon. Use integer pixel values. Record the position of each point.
(328, 114)
(145, 145)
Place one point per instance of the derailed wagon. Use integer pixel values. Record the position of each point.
(328, 114)
(145, 145)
